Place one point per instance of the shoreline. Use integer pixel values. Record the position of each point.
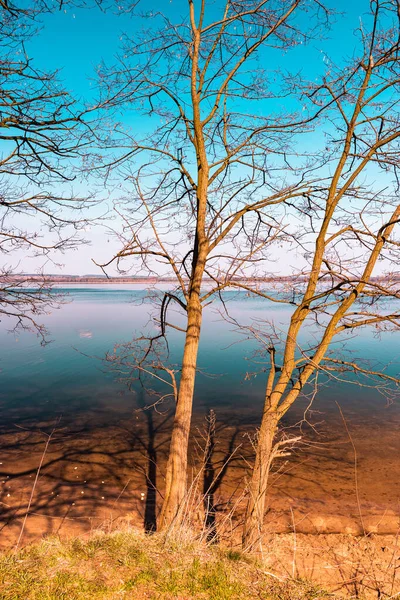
(97, 472)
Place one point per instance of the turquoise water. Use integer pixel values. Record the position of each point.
(69, 376)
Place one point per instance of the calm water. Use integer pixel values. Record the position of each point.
(68, 376)
(105, 447)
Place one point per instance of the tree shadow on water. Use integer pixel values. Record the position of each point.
(152, 450)
(214, 474)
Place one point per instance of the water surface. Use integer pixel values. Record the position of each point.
(101, 435)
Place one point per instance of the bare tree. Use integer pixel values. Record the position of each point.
(349, 229)
(42, 137)
(203, 188)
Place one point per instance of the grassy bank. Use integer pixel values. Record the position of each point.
(130, 565)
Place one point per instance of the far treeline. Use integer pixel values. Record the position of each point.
(250, 155)
(146, 279)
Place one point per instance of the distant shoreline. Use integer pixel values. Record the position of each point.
(103, 280)
(95, 280)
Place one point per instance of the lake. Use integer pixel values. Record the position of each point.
(98, 457)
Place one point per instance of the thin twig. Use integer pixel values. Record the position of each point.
(355, 467)
(49, 436)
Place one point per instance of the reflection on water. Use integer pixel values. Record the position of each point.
(104, 440)
(69, 371)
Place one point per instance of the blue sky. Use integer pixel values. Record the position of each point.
(77, 40)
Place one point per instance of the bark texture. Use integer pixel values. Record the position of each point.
(176, 474)
(255, 511)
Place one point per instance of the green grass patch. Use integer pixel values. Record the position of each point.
(134, 566)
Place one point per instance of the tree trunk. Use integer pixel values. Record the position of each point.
(176, 474)
(255, 510)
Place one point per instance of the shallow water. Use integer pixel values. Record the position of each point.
(103, 440)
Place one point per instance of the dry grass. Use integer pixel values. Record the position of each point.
(130, 565)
